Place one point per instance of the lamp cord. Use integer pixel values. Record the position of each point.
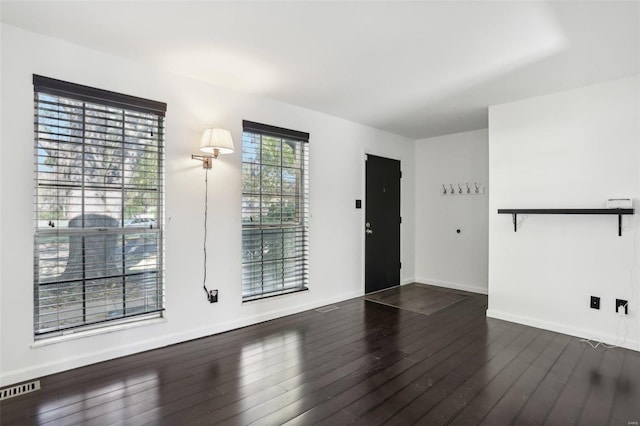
(206, 207)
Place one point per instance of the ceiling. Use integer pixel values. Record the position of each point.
(417, 69)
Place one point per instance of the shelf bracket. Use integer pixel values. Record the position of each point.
(515, 222)
(619, 225)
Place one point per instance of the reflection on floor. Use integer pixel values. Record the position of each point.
(421, 298)
(363, 363)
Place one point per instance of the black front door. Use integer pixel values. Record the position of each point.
(382, 227)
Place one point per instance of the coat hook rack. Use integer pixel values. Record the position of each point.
(460, 189)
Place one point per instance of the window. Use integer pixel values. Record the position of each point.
(275, 209)
(98, 243)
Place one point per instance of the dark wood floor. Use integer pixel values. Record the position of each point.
(364, 363)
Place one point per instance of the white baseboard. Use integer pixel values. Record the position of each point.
(68, 363)
(408, 281)
(472, 288)
(560, 328)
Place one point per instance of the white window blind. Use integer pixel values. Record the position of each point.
(99, 198)
(275, 210)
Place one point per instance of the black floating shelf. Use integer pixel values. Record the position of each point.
(515, 212)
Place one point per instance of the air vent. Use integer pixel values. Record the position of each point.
(19, 390)
(326, 309)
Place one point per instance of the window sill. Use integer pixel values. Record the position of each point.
(274, 294)
(94, 332)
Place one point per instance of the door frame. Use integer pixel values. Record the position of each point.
(363, 218)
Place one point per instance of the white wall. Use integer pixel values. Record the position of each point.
(336, 180)
(573, 149)
(444, 257)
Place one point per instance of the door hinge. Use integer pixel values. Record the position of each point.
(400, 265)
(400, 174)
(400, 219)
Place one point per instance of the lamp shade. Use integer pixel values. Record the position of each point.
(219, 139)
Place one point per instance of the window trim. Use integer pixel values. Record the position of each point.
(118, 325)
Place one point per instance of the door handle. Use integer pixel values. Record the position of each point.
(368, 231)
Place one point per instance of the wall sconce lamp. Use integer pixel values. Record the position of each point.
(214, 142)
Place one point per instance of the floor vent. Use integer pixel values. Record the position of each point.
(326, 309)
(19, 390)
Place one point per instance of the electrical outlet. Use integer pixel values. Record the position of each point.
(624, 304)
(213, 296)
(595, 302)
